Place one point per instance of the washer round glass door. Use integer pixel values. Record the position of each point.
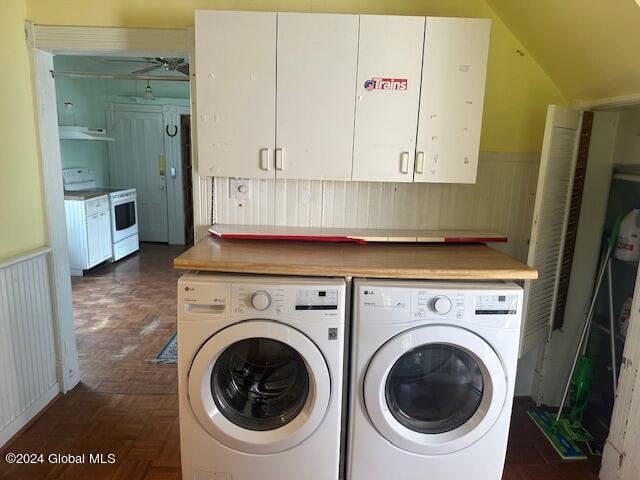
(434, 389)
(259, 386)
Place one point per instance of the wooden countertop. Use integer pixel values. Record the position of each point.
(410, 261)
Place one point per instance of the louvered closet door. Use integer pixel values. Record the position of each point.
(551, 213)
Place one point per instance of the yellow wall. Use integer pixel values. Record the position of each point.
(590, 48)
(518, 90)
(21, 213)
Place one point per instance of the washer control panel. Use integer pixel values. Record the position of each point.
(263, 299)
(205, 296)
(276, 300)
(317, 299)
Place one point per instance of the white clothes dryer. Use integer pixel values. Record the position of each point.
(433, 371)
(260, 376)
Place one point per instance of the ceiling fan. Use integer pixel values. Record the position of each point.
(165, 63)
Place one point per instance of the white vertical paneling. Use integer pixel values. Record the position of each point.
(27, 350)
(204, 210)
(501, 200)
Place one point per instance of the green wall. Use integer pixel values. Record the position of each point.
(88, 96)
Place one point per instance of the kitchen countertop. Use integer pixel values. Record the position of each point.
(400, 260)
(88, 193)
(84, 194)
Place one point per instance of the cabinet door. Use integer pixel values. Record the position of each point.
(453, 79)
(235, 93)
(317, 62)
(105, 236)
(387, 96)
(93, 240)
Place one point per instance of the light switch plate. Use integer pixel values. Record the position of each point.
(240, 188)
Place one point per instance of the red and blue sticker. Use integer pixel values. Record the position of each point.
(377, 83)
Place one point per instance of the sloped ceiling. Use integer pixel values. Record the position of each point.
(590, 48)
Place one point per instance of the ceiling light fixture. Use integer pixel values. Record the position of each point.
(148, 94)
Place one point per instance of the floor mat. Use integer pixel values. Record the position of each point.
(169, 353)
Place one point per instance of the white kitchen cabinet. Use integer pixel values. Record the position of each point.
(452, 96)
(339, 97)
(317, 64)
(88, 232)
(236, 93)
(387, 97)
(98, 238)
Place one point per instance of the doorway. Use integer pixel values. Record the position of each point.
(45, 42)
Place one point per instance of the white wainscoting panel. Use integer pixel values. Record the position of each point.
(27, 350)
(501, 200)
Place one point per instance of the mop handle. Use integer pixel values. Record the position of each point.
(585, 328)
(613, 238)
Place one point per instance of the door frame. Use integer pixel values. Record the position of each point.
(43, 42)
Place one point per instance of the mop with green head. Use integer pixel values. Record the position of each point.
(565, 430)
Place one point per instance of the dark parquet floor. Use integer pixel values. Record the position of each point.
(128, 407)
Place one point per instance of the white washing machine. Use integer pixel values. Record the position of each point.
(260, 376)
(433, 371)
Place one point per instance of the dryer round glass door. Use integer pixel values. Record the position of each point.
(259, 386)
(435, 389)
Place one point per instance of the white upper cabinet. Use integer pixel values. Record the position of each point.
(317, 63)
(339, 97)
(236, 93)
(387, 97)
(453, 80)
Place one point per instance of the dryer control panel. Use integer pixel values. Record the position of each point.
(479, 304)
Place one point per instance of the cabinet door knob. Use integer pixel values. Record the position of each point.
(265, 164)
(404, 162)
(419, 162)
(279, 159)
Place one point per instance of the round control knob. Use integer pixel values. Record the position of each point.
(261, 300)
(441, 305)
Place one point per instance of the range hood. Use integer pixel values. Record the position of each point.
(84, 133)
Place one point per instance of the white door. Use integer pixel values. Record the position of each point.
(317, 63)
(452, 97)
(550, 219)
(137, 159)
(620, 459)
(387, 97)
(434, 389)
(259, 387)
(236, 93)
